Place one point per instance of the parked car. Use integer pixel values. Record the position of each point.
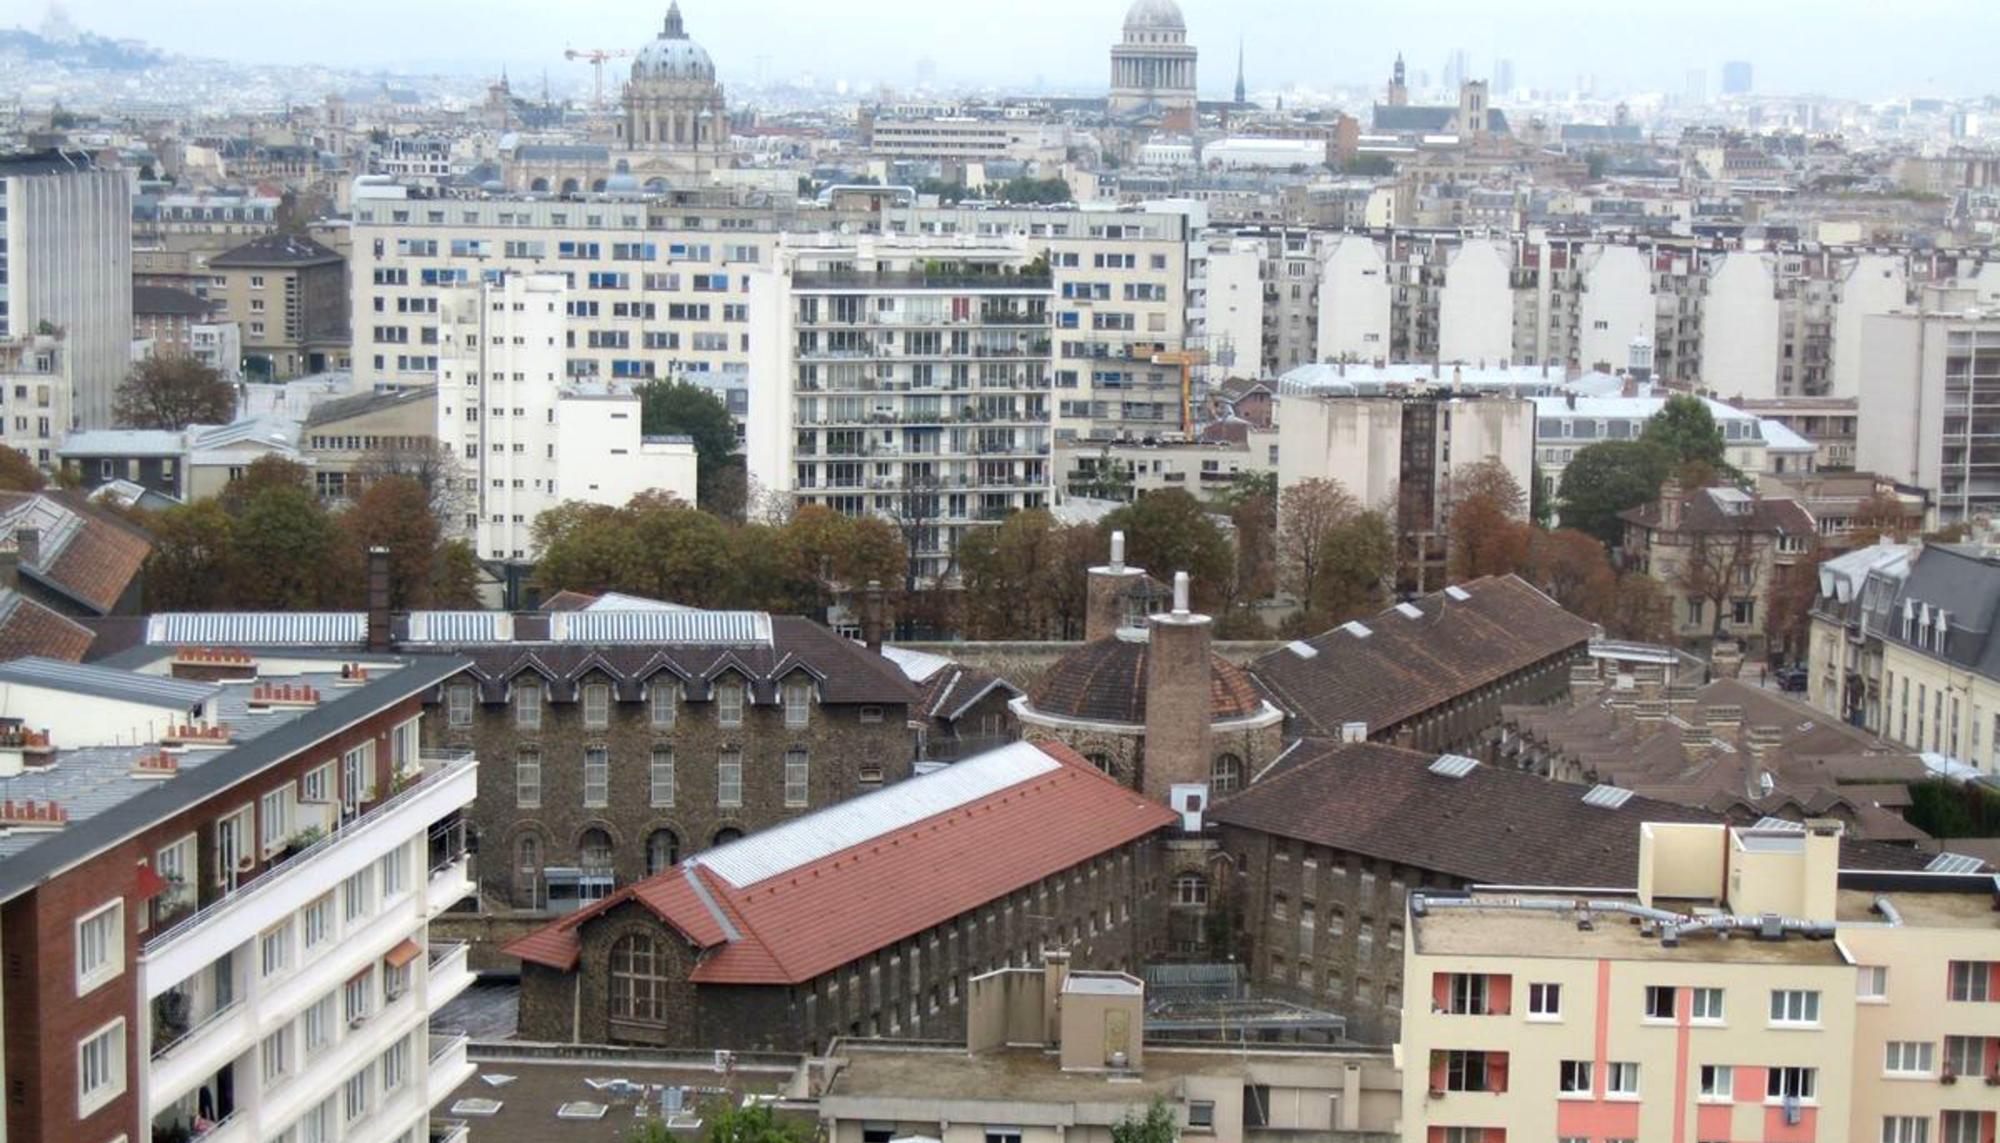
(1792, 678)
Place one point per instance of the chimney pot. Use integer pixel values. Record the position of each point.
(1118, 551)
(378, 599)
(1180, 593)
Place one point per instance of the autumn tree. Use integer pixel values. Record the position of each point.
(1883, 516)
(1025, 579)
(1169, 531)
(289, 554)
(193, 562)
(1641, 610)
(1574, 570)
(395, 513)
(1788, 607)
(1485, 532)
(18, 473)
(265, 472)
(1252, 503)
(173, 392)
(1357, 562)
(1719, 565)
(1309, 512)
(430, 463)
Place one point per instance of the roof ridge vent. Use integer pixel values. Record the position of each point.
(1454, 765)
(1607, 797)
(1356, 628)
(1302, 649)
(1410, 611)
(1458, 593)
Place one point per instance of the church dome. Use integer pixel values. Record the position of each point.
(673, 56)
(1154, 16)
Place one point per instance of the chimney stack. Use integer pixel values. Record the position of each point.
(871, 616)
(378, 599)
(28, 546)
(1695, 742)
(1106, 592)
(1179, 738)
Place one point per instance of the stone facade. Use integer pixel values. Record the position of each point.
(848, 749)
(1100, 910)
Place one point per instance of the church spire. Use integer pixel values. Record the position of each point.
(1239, 70)
(674, 29)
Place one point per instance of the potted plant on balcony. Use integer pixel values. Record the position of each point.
(1948, 1075)
(170, 1018)
(303, 840)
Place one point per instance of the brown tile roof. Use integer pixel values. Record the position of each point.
(950, 690)
(1105, 681)
(1701, 512)
(808, 918)
(28, 628)
(86, 555)
(1495, 826)
(1408, 664)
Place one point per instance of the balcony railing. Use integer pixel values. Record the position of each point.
(443, 1043)
(197, 1031)
(920, 280)
(449, 1131)
(439, 766)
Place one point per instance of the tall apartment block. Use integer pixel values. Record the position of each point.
(66, 267)
(1930, 396)
(905, 378)
(217, 878)
(527, 436)
(1750, 989)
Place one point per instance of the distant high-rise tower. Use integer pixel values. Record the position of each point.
(1240, 98)
(1455, 68)
(1399, 89)
(1697, 87)
(1503, 77)
(1736, 77)
(66, 265)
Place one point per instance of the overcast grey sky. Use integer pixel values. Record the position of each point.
(1863, 48)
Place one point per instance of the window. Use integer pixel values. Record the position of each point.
(665, 701)
(798, 705)
(596, 777)
(1794, 1006)
(316, 1126)
(528, 778)
(796, 777)
(1965, 1055)
(275, 817)
(396, 1065)
(1201, 1114)
(1544, 1000)
(100, 946)
(1718, 1081)
(395, 867)
(354, 1095)
(357, 776)
(1790, 1083)
(729, 779)
(275, 949)
(1190, 889)
(1907, 1057)
(1621, 1078)
(662, 777)
(1971, 980)
(1660, 1001)
(358, 893)
(316, 785)
(1574, 1077)
(1706, 1005)
(100, 1067)
(1906, 1129)
(729, 704)
(1960, 1127)
(458, 705)
(357, 996)
(275, 1055)
(638, 980)
(1872, 982)
(1468, 994)
(528, 704)
(1226, 776)
(317, 922)
(596, 706)
(663, 849)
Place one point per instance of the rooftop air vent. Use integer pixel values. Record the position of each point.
(1302, 649)
(1458, 593)
(1410, 610)
(1356, 628)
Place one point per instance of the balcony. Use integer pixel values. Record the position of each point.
(203, 1049)
(449, 1131)
(450, 868)
(449, 974)
(920, 280)
(446, 784)
(449, 1065)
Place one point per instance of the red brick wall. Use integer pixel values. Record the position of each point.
(45, 1019)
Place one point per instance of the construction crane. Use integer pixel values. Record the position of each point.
(596, 58)
(1187, 359)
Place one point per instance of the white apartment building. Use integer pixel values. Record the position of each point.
(1226, 305)
(234, 860)
(66, 266)
(966, 139)
(908, 378)
(36, 388)
(1929, 413)
(529, 436)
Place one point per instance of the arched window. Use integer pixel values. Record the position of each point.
(1226, 776)
(727, 834)
(1190, 889)
(540, 186)
(663, 849)
(528, 871)
(638, 980)
(595, 856)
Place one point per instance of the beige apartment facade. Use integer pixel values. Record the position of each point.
(1749, 990)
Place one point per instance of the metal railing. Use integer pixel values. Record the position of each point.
(449, 764)
(449, 1131)
(440, 954)
(196, 1031)
(442, 1043)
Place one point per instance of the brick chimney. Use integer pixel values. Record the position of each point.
(1695, 742)
(1105, 593)
(378, 599)
(871, 616)
(1178, 735)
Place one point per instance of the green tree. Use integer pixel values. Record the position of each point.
(192, 564)
(262, 473)
(690, 410)
(1025, 578)
(1308, 512)
(173, 393)
(1607, 478)
(1169, 531)
(1357, 558)
(724, 1122)
(289, 554)
(1687, 432)
(455, 577)
(1156, 1125)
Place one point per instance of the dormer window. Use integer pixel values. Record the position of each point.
(665, 701)
(729, 703)
(528, 704)
(798, 705)
(596, 706)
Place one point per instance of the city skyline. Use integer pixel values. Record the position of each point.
(1552, 44)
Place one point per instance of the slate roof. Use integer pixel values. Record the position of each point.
(946, 693)
(1493, 826)
(274, 250)
(1964, 583)
(1105, 681)
(1407, 665)
(1702, 511)
(1428, 120)
(86, 556)
(28, 628)
(787, 904)
(164, 301)
(344, 408)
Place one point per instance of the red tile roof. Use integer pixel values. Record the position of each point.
(27, 628)
(834, 908)
(87, 555)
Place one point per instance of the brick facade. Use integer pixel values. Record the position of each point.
(1101, 910)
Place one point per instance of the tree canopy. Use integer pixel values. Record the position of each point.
(681, 407)
(1607, 478)
(1025, 578)
(1169, 531)
(1687, 432)
(18, 473)
(172, 393)
(1155, 1125)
